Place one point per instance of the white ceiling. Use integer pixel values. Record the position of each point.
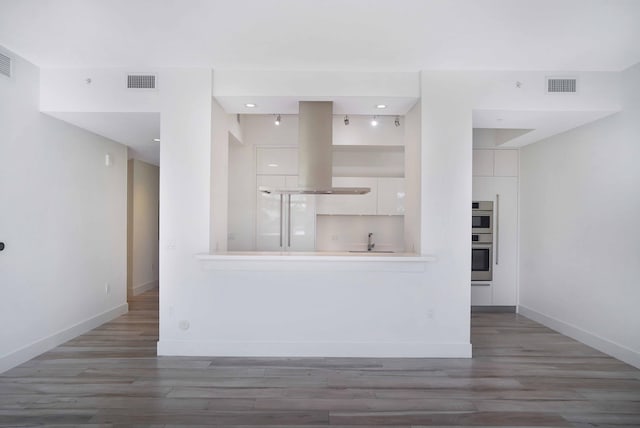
(363, 35)
(537, 124)
(327, 34)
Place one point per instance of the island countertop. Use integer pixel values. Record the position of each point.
(313, 261)
(317, 256)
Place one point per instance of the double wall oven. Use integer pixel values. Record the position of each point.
(482, 241)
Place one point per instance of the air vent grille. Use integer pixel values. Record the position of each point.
(5, 65)
(141, 81)
(555, 85)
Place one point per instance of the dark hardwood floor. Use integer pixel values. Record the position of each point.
(522, 374)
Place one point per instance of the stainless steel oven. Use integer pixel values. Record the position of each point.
(482, 217)
(481, 257)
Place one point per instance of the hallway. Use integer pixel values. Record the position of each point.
(522, 374)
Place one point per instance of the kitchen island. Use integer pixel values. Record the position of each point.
(320, 304)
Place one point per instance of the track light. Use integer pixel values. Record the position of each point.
(374, 121)
(397, 121)
(346, 120)
(277, 122)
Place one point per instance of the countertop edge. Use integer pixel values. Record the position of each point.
(315, 257)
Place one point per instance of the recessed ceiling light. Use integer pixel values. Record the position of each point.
(157, 140)
(273, 165)
(250, 105)
(381, 106)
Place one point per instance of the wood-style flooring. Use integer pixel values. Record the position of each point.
(522, 374)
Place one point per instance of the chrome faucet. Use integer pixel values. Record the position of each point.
(370, 244)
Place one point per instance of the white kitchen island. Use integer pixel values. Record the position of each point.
(321, 304)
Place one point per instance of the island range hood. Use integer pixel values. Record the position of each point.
(315, 156)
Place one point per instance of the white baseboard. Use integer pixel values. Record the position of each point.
(41, 346)
(139, 289)
(314, 349)
(616, 350)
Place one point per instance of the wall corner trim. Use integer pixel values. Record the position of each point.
(13, 359)
(613, 349)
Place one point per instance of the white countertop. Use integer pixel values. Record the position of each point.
(333, 256)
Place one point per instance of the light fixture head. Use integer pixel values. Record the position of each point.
(346, 120)
(157, 140)
(277, 122)
(381, 106)
(374, 121)
(250, 105)
(396, 122)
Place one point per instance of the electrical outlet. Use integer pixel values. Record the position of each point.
(335, 238)
(184, 325)
(431, 314)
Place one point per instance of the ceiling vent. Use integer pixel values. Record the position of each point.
(141, 81)
(5, 65)
(562, 85)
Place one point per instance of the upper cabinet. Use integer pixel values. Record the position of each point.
(350, 204)
(391, 196)
(505, 163)
(495, 163)
(385, 198)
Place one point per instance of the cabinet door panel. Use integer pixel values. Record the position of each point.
(350, 204)
(481, 295)
(506, 163)
(483, 163)
(268, 217)
(391, 196)
(301, 226)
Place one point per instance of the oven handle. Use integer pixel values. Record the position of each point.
(281, 216)
(497, 224)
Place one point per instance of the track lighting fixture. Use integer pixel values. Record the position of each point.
(374, 121)
(277, 122)
(346, 120)
(397, 121)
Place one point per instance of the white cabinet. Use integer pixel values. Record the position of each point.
(483, 163)
(505, 163)
(495, 163)
(284, 222)
(350, 204)
(391, 196)
(387, 197)
(503, 191)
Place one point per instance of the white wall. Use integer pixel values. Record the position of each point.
(185, 193)
(63, 220)
(144, 192)
(219, 177)
(580, 206)
(446, 153)
(67, 90)
(413, 176)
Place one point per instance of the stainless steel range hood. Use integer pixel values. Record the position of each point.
(315, 156)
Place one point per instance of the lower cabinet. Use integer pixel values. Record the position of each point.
(502, 290)
(284, 222)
